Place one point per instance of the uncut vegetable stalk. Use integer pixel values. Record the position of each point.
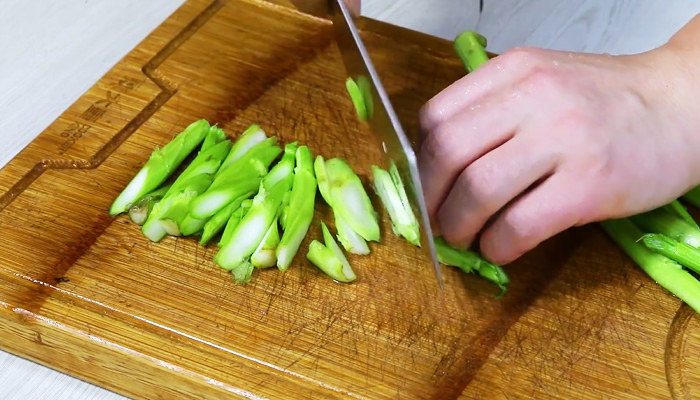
(664, 271)
(469, 46)
(663, 221)
(687, 256)
(241, 176)
(329, 258)
(160, 166)
(300, 210)
(470, 261)
(172, 209)
(693, 196)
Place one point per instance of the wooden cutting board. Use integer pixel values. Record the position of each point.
(87, 294)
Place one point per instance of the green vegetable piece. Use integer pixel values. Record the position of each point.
(357, 98)
(680, 252)
(242, 176)
(678, 208)
(251, 230)
(366, 88)
(390, 189)
(349, 198)
(322, 179)
(138, 212)
(664, 271)
(214, 136)
(248, 139)
(470, 261)
(470, 46)
(330, 258)
(693, 196)
(217, 222)
(284, 169)
(242, 272)
(168, 213)
(301, 204)
(346, 273)
(161, 164)
(233, 222)
(351, 241)
(265, 256)
(669, 223)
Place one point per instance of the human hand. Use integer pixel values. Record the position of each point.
(537, 141)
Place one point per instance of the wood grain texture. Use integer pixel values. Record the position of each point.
(89, 295)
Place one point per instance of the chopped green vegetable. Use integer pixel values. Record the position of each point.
(351, 241)
(172, 209)
(663, 221)
(470, 46)
(250, 231)
(138, 212)
(664, 271)
(240, 177)
(161, 164)
(284, 169)
(264, 256)
(330, 258)
(366, 88)
(217, 222)
(349, 198)
(248, 139)
(389, 187)
(233, 222)
(686, 255)
(301, 204)
(469, 261)
(242, 272)
(322, 179)
(357, 98)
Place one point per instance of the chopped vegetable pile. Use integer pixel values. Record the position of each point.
(259, 199)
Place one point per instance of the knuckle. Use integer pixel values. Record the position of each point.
(477, 183)
(519, 228)
(519, 57)
(428, 117)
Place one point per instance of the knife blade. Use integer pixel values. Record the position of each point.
(383, 121)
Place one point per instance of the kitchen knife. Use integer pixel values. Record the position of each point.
(381, 116)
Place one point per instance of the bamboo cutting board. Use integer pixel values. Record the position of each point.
(87, 294)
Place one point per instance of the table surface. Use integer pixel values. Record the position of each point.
(54, 51)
